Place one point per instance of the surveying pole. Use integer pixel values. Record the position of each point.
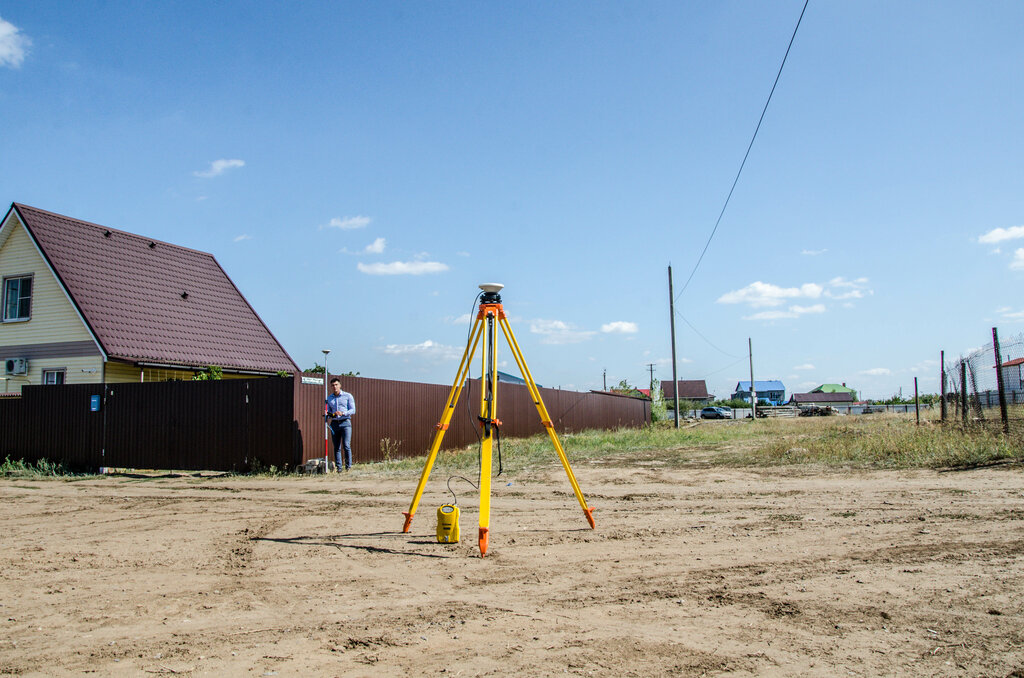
(327, 425)
(490, 316)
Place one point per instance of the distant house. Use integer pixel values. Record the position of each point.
(772, 390)
(1013, 379)
(818, 398)
(689, 389)
(834, 388)
(506, 378)
(83, 303)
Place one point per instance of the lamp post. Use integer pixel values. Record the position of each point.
(327, 426)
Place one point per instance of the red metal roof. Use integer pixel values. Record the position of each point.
(154, 302)
(1011, 363)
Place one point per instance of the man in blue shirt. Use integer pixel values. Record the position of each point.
(340, 408)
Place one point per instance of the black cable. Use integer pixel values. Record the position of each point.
(745, 155)
(710, 343)
(455, 500)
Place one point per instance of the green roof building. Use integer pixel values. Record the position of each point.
(835, 388)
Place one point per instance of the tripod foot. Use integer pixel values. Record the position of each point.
(408, 520)
(589, 513)
(483, 541)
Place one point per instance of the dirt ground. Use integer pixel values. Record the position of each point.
(690, 572)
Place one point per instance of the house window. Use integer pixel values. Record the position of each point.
(17, 298)
(54, 376)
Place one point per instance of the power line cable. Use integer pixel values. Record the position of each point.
(710, 343)
(745, 155)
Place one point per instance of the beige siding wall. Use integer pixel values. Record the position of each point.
(88, 370)
(119, 373)
(54, 319)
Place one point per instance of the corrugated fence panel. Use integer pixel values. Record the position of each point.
(236, 424)
(54, 423)
(401, 416)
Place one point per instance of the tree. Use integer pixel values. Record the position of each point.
(658, 407)
(211, 373)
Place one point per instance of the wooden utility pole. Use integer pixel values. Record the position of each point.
(650, 367)
(672, 323)
(604, 379)
(753, 389)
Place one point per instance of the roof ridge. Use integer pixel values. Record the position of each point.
(119, 231)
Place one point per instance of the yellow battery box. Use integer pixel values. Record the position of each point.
(448, 524)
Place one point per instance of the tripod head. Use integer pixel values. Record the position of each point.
(490, 295)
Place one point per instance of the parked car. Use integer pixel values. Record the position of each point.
(716, 413)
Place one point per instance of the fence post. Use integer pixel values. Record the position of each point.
(942, 374)
(963, 390)
(917, 405)
(999, 382)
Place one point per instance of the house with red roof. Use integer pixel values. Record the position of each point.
(1013, 375)
(84, 303)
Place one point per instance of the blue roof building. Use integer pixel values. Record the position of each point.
(772, 390)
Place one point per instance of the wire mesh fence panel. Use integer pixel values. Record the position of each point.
(985, 389)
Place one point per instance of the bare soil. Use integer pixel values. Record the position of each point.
(690, 572)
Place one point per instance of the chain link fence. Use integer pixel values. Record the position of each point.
(985, 389)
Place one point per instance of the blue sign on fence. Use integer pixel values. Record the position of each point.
(94, 403)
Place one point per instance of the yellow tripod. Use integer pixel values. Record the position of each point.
(488, 318)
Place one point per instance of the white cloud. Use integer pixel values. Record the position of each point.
(1001, 234)
(620, 327)
(793, 312)
(877, 372)
(558, 332)
(402, 268)
(1018, 259)
(463, 319)
(812, 253)
(758, 294)
(428, 349)
(840, 281)
(1008, 313)
(13, 45)
(376, 247)
(244, 236)
(805, 366)
(348, 223)
(219, 167)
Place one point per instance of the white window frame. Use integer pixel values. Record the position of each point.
(62, 371)
(19, 319)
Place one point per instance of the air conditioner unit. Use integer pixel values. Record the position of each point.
(15, 366)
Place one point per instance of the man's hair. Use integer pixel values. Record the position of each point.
(335, 381)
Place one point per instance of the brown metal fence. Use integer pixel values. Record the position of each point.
(238, 424)
(400, 416)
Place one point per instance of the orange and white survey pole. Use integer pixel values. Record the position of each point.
(327, 418)
(491, 316)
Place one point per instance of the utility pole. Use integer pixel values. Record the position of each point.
(753, 389)
(672, 321)
(604, 379)
(650, 366)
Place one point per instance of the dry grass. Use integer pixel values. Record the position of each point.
(891, 441)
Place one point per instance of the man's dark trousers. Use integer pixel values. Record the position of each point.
(341, 434)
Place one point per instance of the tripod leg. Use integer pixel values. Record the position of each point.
(446, 417)
(488, 414)
(545, 419)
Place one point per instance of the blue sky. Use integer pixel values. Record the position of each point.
(358, 168)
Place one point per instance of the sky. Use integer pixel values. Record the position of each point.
(359, 168)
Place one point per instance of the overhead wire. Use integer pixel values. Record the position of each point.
(745, 155)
